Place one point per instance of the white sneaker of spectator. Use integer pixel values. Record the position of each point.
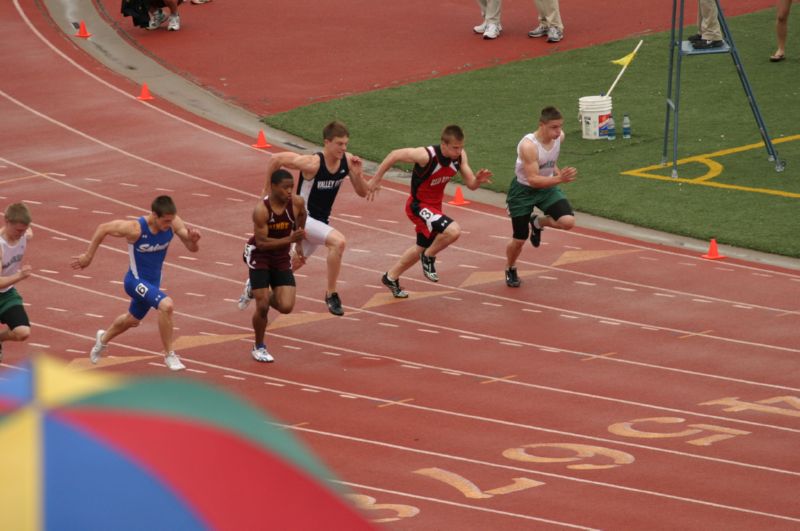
(492, 31)
(554, 35)
(174, 23)
(157, 18)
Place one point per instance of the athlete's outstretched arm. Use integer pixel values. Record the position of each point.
(357, 179)
(307, 165)
(471, 179)
(189, 236)
(418, 155)
(119, 228)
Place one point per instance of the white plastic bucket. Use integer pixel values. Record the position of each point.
(594, 112)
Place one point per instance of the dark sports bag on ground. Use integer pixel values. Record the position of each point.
(137, 10)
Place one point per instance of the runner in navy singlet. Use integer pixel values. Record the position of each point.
(148, 239)
(321, 176)
(278, 222)
(14, 238)
(434, 166)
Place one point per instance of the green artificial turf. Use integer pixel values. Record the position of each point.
(497, 106)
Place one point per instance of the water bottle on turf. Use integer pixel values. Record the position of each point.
(626, 126)
(612, 131)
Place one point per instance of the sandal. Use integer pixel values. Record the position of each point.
(777, 57)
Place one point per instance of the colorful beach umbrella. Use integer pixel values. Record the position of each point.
(87, 450)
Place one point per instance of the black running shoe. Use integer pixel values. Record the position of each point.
(394, 286)
(536, 234)
(512, 280)
(428, 267)
(334, 304)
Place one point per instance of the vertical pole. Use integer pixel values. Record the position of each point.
(669, 84)
(748, 90)
(677, 100)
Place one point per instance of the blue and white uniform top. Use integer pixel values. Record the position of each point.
(547, 158)
(147, 254)
(12, 257)
(320, 192)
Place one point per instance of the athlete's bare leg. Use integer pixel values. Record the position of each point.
(335, 242)
(262, 297)
(513, 250)
(444, 239)
(409, 258)
(120, 325)
(165, 327)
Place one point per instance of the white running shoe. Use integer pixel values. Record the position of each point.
(480, 28)
(173, 361)
(246, 296)
(261, 354)
(538, 31)
(554, 35)
(98, 347)
(174, 23)
(492, 32)
(157, 18)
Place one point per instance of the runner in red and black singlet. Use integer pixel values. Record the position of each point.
(434, 166)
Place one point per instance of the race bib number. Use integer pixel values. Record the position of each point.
(141, 290)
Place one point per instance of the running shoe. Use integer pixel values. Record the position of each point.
(157, 18)
(538, 31)
(246, 296)
(261, 354)
(554, 34)
(512, 280)
(394, 285)
(98, 347)
(174, 23)
(429, 267)
(334, 304)
(536, 234)
(173, 361)
(492, 32)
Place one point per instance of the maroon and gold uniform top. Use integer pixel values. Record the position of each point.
(279, 226)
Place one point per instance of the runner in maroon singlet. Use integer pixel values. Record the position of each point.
(434, 166)
(278, 221)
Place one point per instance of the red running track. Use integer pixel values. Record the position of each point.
(622, 386)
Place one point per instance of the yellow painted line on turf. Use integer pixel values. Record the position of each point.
(714, 169)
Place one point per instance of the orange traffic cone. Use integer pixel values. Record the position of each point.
(458, 199)
(145, 94)
(713, 254)
(82, 33)
(261, 142)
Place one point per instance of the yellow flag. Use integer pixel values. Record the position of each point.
(625, 61)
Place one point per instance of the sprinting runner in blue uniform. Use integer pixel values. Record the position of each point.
(148, 240)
